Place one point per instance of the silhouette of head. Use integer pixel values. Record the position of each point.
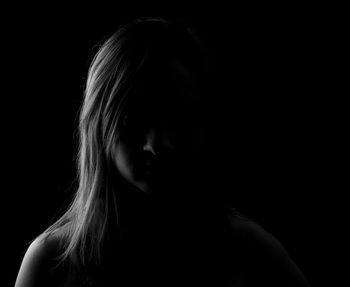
(147, 82)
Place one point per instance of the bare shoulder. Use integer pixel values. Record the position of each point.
(266, 254)
(254, 234)
(40, 263)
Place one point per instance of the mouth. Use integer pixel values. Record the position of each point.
(149, 167)
(157, 166)
(152, 170)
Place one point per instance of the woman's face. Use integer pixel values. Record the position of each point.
(159, 134)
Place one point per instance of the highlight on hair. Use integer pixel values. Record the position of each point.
(119, 61)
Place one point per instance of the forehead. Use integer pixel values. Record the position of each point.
(168, 86)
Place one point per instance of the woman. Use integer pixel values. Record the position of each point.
(143, 212)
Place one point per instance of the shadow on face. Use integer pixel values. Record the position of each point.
(159, 131)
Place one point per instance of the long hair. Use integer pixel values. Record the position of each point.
(114, 70)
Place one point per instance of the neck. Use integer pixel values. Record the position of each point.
(144, 213)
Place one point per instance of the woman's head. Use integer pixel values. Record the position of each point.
(142, 103)
(158, 134)
(140, 126)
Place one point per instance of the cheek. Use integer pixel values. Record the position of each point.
(197, 140)
(194, 139)
(122, 157)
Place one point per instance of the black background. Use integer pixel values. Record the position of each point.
(274, 134)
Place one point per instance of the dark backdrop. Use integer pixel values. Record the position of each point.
(271, 130)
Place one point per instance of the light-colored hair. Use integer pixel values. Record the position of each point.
(113, 72)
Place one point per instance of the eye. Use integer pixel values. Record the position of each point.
(125, 120)
(124, 125)
(131, 125)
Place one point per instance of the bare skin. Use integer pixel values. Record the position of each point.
(169, 238)
(260, 260)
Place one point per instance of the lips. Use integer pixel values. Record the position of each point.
(149, 166)
(156, 164)
(149, 163)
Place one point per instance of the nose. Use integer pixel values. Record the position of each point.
(157, 140)
(150, 141)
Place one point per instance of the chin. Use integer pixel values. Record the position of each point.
(152, 186)
(145, 186)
